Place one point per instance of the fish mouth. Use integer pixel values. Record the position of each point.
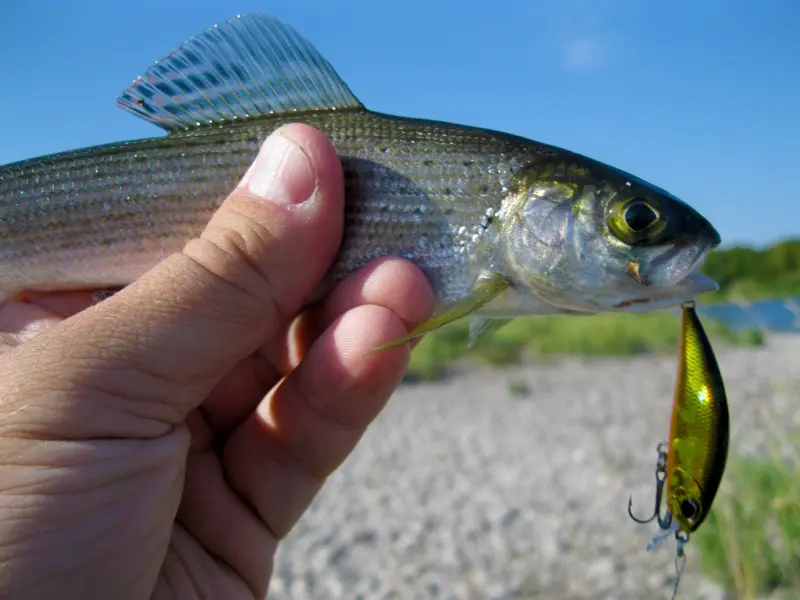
(701, 284)
(689, 288)
(677, 263)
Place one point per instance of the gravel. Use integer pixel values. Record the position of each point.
(514, 483)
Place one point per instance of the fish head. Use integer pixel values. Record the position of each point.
(587, 237)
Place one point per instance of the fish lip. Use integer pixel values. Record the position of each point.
(702, 283)
(697, 251)
(689, 288)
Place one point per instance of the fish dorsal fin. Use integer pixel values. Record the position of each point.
(250, 66)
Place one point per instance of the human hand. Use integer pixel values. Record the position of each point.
(160, 443)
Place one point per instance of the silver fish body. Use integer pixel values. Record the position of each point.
(564, 233)
(98, 217)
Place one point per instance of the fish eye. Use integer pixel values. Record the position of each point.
(636, 220)
(690, 509)
(639, 215)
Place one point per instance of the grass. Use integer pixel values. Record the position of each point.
(750, 543)
(618, 334)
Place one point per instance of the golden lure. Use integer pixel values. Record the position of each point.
(698, 438)
(690, 465)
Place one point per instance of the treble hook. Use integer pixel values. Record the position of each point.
(664, 522)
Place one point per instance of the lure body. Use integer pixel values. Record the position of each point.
(698, 438)
(690, 465)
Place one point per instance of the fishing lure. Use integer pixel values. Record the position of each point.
(690, 465)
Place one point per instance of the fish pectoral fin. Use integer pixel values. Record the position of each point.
(249, 66)
(481, 326)
(488, 287)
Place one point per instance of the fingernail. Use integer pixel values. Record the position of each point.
(281, 172)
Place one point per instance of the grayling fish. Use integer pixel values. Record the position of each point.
(501, 225)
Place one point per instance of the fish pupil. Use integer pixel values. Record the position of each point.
(639, 215)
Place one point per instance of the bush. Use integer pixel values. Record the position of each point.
(749, 274)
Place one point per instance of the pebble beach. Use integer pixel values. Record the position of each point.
(513, 482)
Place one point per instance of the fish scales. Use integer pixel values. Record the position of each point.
(414, 188)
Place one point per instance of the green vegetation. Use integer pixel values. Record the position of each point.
(749, 274)
(750, 543)
(619, 334)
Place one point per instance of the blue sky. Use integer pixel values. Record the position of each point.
(700, 98)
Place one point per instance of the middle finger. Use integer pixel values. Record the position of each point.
(393, 283)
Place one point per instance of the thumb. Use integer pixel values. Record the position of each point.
(168, 338)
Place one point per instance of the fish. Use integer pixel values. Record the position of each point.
(691, 464)
(501, 226)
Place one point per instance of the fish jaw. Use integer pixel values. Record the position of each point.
(687, 290)
(637, 297)
(668, 265)
(671, 277)
(669, 280)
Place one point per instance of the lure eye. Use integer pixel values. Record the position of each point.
(636, 220)
(690, 509)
